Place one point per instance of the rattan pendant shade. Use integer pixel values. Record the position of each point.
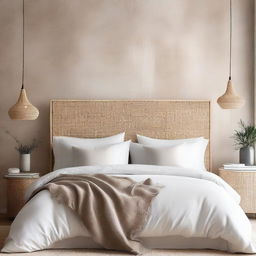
(23, 109)
(230, 100)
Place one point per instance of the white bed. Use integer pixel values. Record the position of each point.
(195, 209)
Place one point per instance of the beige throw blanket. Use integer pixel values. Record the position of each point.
(113, 209)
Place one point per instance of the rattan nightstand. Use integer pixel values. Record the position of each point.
(16, 188)
(244, 182)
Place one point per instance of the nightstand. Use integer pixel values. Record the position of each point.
(244, 182)
(16, 188)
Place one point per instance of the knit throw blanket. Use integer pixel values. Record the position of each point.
(113, 209)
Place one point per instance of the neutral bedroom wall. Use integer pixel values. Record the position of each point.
(112, 49)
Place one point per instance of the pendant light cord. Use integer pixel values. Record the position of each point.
(23, 14)
(230, 39)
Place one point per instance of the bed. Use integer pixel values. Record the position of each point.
(194, 210)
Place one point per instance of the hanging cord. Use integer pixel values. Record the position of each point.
(23, 12)
(230, 40)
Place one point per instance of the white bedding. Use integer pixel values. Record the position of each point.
(191, 205)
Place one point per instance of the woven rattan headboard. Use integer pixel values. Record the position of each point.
(165, 119)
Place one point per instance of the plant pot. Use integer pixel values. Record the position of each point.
(246, 155)
(25, 162)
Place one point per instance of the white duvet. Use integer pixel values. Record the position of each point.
(192, 204)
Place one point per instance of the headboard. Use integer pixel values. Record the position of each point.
(163, 119)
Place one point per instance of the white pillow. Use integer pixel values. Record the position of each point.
(62, 147)
(200, 147)
(186, 155)
(101, 155)
(159, 142)
(137, 154)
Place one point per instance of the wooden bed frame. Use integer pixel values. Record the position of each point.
(163, 119)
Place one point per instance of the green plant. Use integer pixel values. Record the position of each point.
(24, 148)
(246, 136)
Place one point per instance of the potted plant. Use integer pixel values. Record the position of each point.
(244, 141)
(25, 151)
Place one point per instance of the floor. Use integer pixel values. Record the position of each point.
(5, 224)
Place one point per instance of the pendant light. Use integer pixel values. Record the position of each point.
(23, 109)
(230, 100)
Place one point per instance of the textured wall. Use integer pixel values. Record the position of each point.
(112, 49)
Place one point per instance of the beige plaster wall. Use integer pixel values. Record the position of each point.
(122, 49)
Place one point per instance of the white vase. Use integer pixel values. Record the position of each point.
(25, 162)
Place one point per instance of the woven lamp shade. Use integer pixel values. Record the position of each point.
(23, 109)
(230, 100)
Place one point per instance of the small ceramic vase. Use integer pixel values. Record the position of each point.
(24, 162)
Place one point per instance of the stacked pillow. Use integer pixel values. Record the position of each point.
(111, 154)
(186, 153)
(65, 150)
